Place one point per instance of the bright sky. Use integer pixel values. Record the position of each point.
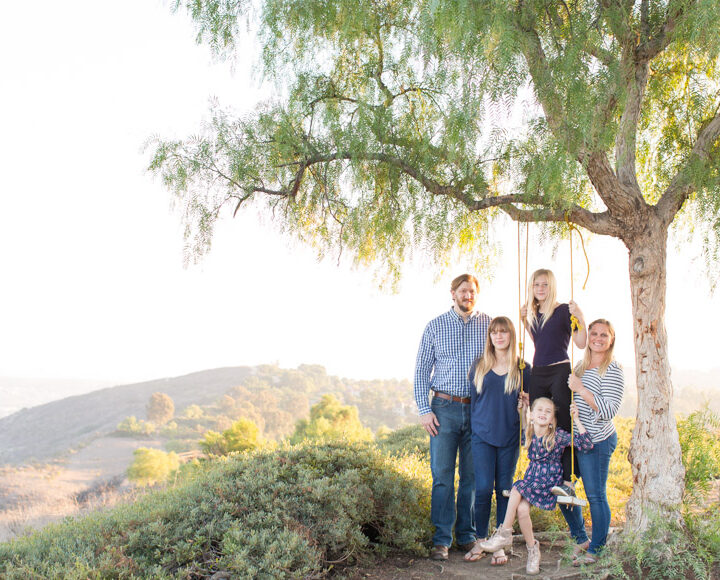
(91, 253)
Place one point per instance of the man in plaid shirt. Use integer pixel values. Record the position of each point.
(449, 345)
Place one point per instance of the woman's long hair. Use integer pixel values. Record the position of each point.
(534, 308)
(607, 359)
(489, 357)
(548, 440)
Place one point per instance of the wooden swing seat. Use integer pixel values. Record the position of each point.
(563, 499)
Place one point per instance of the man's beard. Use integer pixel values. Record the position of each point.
(461, 306)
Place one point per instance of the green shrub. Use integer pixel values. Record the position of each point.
(411, 439)
(330, 420)
(284, 513)
(151, 466)
(240, 436)
(131, 426)
(700, 444)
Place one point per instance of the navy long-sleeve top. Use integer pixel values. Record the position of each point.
(494, 417)
(552, 339)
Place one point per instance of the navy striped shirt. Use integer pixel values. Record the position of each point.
(448, 347)
(608, 392)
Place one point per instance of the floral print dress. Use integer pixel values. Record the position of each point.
(545, 469)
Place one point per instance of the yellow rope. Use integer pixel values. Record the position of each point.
(574, 327)
(521, 343)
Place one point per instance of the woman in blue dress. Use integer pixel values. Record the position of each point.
(498, 380)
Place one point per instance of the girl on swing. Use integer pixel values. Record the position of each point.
(545, 442)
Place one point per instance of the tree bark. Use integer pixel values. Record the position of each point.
(658, 473)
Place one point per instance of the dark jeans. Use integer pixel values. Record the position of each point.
(494, 471)
(452, 440)
(595, 465)
(551, 382)
(574, 518)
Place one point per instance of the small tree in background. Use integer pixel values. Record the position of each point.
(242, 435)
(152, 466)
(160, 408)
(329, 420)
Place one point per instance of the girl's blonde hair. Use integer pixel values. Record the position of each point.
(608, 358)
(534, 308)
(489, 357)
(548, 440)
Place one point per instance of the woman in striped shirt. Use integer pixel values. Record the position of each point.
(598, 385)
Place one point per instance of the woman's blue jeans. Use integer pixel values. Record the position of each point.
(494, 470)
(453, 439)
(594, 467)
(574, 518)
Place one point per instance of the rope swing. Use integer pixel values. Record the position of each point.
(574, 327)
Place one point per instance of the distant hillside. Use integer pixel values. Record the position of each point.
(272, 397)
(42, 432)
(20, 393)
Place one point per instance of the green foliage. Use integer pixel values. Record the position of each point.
(329, 420)
(286, 513)
(241, 436)
(411, 439)
(700, 443)
(160, 408)
(151, 466)
(131, 426)
(394, 125)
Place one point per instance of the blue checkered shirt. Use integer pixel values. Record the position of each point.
(447, 349)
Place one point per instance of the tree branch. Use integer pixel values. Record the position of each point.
(651, 46)
(598, 223)
(619, 198)
(682, 184)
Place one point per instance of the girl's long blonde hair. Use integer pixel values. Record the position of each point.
(607, 359)
(534, 308)
(548, 440)
(489, 357)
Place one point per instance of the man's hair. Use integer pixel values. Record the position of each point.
(455, 284)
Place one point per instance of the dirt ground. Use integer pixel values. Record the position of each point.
(554, 565)
(94, 476)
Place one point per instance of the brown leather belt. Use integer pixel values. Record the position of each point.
(465, 400)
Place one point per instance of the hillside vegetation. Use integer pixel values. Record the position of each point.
(304, 510)
(272, 397)
(290, 512)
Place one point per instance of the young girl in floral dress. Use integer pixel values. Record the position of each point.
(545, 443)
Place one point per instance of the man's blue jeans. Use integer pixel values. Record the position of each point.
(494, 470)
(594, 467)
(453, 438)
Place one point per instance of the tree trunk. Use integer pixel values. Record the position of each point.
(658, 473)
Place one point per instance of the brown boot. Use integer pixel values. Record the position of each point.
(533, 562)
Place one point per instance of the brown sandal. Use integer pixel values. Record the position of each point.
(473, 555)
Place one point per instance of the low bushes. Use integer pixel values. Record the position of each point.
(292, 512)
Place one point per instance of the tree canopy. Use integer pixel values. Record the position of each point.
(396, 122)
